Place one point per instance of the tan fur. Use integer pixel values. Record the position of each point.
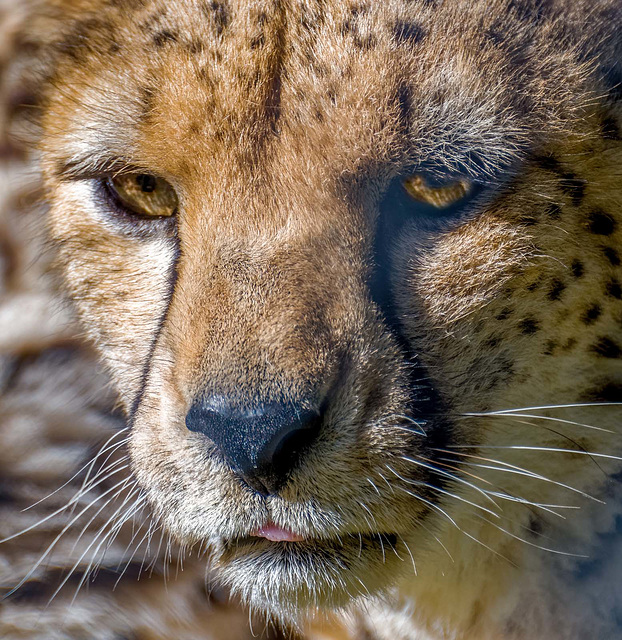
(281, 125)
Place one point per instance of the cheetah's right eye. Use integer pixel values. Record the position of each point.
(144, 194)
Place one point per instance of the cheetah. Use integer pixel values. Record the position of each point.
(354, 270)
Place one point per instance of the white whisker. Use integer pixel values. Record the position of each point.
(532, 544)
(528, 448)
(533, 415)
(77, 473)
(511, 468)
(453, 477)
(66, 528)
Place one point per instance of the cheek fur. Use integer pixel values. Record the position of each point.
(112, 275)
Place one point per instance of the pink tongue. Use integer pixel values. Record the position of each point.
(276, 534)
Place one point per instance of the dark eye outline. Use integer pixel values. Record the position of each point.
(149, 183)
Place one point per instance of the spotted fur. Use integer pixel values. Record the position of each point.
(464, 482)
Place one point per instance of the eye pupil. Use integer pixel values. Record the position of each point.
(146, 182)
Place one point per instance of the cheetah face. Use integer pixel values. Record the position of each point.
(316, 245)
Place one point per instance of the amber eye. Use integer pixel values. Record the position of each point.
(144, 194)
(440, 196)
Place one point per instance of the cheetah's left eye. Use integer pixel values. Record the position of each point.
(440, 196)
(144, 194)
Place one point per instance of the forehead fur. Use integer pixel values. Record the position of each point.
(178, 87)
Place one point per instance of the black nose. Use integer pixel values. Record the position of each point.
(262, 444)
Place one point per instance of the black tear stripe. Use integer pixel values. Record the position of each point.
(425, 402)
(144, 378)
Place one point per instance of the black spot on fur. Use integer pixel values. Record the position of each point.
(613, 289)
(549, 163)
(496, 35)
(613, 80)
(504, 314)
(577, 268)
(347, 27)
(570, 184)
(363, 42)
(528, 221)
(404, 98)
(610, 129)
(533, 286)
(601, 223)
(608, 392)
(218, 12)
(528, 326)
(147, 99)
(549, 347)
(570, 344)
(535, 526)
(553, 211)
(556, 290)
(612, 255)
(87, 36)
(409, 33)
(258, 41)
(591, 314)
(195, 46)
(147, 25)
(573, 187)
(528, 11)
(164, 37)
(606, 348)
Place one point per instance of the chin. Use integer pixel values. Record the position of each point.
(292, 579)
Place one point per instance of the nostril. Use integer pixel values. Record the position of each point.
(291, 444)
(262, 444)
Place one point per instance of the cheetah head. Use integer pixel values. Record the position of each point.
(322, 247)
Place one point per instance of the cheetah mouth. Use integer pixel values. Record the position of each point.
(314, 572)
(359, 543)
